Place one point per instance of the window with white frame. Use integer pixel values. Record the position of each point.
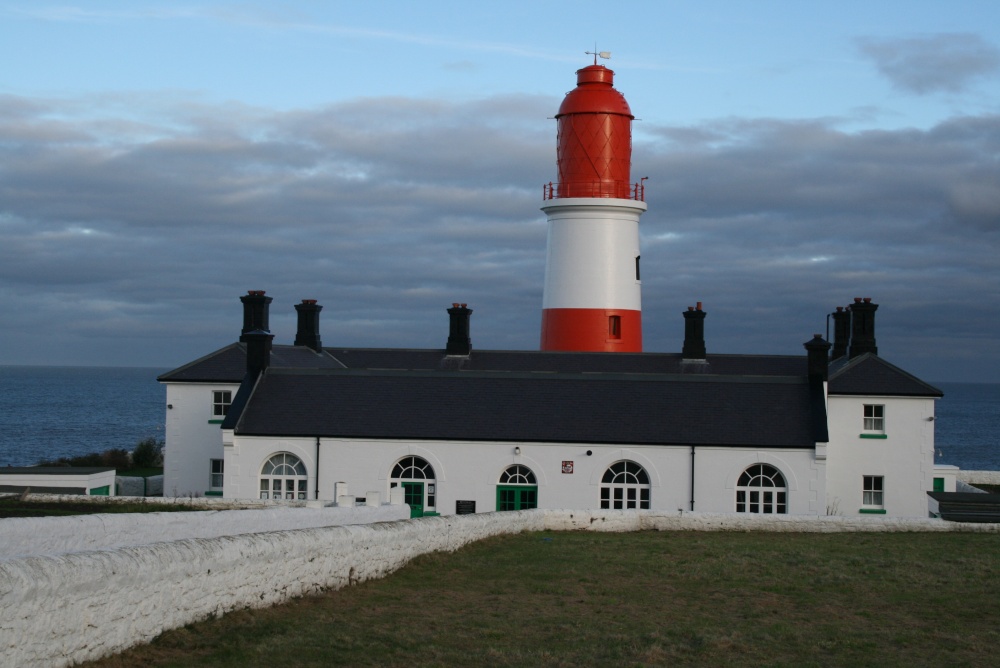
(762, 489)
(215, 477)
(872, 494)
(625, 485)
(283, 476)
(874, 418)
(221, 400)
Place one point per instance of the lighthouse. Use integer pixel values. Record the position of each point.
(592, 300)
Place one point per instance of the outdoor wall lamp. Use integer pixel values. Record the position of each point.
(517, 450)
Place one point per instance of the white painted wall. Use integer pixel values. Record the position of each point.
(905, 458)
(191, 440)
(592, 246)
(471, 470)
(88, 481)
(981, 477)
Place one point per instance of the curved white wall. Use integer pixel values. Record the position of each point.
(592, 246)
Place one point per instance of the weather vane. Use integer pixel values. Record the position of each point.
(606, 55)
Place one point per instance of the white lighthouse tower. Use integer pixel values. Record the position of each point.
(592, 296)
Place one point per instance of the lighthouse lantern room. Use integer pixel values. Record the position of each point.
(592, 297)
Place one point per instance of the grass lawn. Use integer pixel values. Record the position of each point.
(571, 599)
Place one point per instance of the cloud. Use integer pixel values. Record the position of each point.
(943, 63)
(127, 240)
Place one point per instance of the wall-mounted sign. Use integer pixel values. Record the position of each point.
(465, 507)
(567, 467)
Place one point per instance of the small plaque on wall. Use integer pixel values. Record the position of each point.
(567, 467)
(465, 507)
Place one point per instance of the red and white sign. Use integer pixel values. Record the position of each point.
(567, 467)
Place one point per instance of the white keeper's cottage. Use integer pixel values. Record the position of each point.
(462, 430)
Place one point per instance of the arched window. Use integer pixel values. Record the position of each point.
(283, 477)
(518, 489)
(625, 485)
(761, 489)
(416, 476)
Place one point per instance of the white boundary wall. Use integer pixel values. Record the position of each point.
(981, 477)
(21, 537)
(60, 610)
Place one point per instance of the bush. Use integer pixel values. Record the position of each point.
(116, 457)
(147, 453)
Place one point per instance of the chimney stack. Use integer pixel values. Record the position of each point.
(459, 342)
(863, 327)
(841, 332)
(307, 333)
(258, 344)
(255, 312)
(819, 361)
(694, 333)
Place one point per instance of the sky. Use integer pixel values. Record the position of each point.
(159, 159)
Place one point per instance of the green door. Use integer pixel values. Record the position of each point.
(938, 484)
(517, 497)
(413, 496)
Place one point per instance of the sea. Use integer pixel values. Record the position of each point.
(47, 412)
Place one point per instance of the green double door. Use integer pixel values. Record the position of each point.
(517, 497)
(413, 496)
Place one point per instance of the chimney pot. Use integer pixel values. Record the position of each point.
(459, 341)
(841, 332)
(817, 358)
(857, 300)
(255, 312)
(307, 333)
(698, 306)
(694, 334)
(863, 328)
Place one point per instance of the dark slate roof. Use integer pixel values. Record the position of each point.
(569, 362)
(967, 506)
(604, 408)
(229, 364)
(871, 375)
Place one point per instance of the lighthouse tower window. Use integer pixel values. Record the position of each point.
(614, 327)
(625, 485)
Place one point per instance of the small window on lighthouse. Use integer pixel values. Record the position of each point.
(637, 268)
(614, 327)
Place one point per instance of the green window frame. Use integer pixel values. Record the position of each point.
(416, 476)
(517, 489)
